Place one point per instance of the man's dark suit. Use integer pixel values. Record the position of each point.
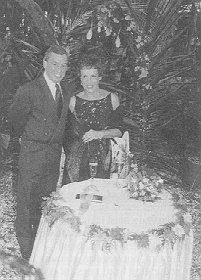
(33, 115)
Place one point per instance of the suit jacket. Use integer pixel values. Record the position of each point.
(33, 112)
(33, 116)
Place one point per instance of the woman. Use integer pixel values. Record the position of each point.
(95, 117)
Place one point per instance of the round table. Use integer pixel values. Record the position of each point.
(116, 239)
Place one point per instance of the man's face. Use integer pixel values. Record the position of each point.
(55, 66)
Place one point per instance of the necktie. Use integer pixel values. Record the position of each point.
(58, 99)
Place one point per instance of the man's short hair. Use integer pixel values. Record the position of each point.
(55, 49)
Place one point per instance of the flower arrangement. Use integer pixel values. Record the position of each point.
(144, 184)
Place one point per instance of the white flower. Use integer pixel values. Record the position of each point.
(187, 218)
(108, 32)
(154, 240)
(103, 9)
(118, 42)
(139, 38)
(146, 57)
(115, 20)
(148, 86)
(134, 166)
(89, 34)
(144, 73)
(133, 180)
(178, 230)
(141, 186)
(135, 169)
(128, 17)
(161, 181)
(151, 188)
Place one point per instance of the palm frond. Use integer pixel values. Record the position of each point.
(41, 22)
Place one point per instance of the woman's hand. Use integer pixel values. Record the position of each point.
(91, 135)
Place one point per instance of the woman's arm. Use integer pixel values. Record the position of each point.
(115, 101)
(106, 133)
(72, 104)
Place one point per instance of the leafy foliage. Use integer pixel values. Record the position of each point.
(150, 49)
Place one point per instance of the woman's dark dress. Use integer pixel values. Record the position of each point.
(89, 114)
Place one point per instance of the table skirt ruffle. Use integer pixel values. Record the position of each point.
(63, 254)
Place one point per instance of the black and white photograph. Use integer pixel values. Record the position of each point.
(100, 140)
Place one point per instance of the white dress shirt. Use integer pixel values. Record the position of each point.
(51, 85)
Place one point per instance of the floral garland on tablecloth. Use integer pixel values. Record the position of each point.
(53, 212)
(107, 238)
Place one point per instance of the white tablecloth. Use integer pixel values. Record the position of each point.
(64, 254)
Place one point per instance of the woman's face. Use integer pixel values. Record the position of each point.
(90, 79)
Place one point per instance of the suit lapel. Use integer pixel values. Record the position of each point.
(50, 110)
(47, 99)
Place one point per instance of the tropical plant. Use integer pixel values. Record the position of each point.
(150, 49)
(166, 85)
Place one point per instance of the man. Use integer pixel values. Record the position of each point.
(38, 115)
